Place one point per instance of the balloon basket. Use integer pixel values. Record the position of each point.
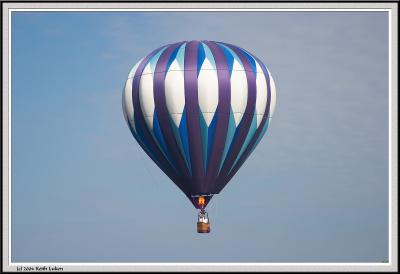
(203, 223)
(203, 228)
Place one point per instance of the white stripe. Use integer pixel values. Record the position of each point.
(146, 96)
(175, 92)
(127, 104)
(261, 99)
(273, 96)
(208, 91)
(239, 93)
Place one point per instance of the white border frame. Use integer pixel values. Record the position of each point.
(391, 265)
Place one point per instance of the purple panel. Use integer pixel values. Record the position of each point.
(163, 115)
(223, 112)
(192, 112)
(244, 125)
(139, 119)
(253, 141)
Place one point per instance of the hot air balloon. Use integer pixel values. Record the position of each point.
(198, 109)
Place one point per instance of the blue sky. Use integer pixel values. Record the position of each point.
(314, 190)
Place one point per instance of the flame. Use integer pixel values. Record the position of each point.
(201, 201)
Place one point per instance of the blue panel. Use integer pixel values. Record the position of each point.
(229, 138)
(180, 56)
(229, 58)
(200, 57)
(177, 136)
(264, 130)
(204, 138)
(153, 61)
(144, 147)
(235, 57)
(211, 133)
(209, 56)
(184, 136)
(134, 134)
(160, 139)
(250, 134)
(172, 57)
(143, 140)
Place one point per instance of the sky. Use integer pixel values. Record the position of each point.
(314, 190)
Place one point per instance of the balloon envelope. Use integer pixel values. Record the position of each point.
(198, 109)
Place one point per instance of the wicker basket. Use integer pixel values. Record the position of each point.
(203, 227)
